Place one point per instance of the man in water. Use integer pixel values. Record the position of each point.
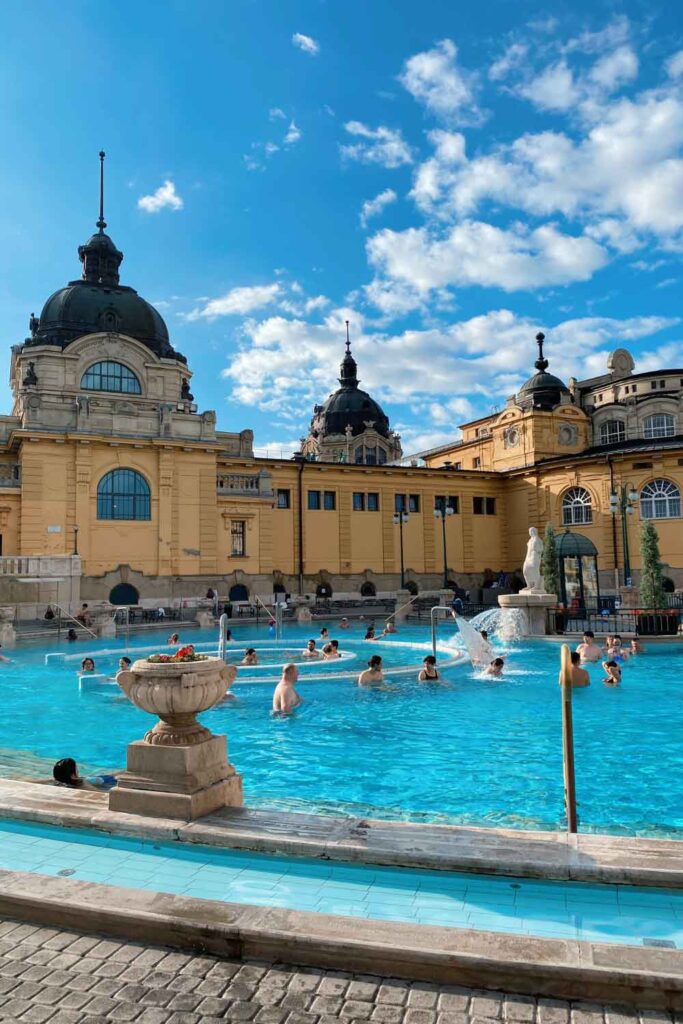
(285, 697)
(344, 624)
(250, 657)
(496, 668)
(578, 676)
(124, 664)
(372, 677)
(390, 627)
(613, 673)
(616, 652)
(330, 652)
(370, 633)
(429, 673)
(588, 650)
(311, 650)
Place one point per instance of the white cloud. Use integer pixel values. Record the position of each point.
(382, 145)
(164, 197)
(277, 113)
(615, 69)
(554, 89)
(293, 134)
(674, 65)
(373, 207)
(239, 301)
(509, 60)
(306, 43)
(286, 365)
(434, 79)
(477, 253)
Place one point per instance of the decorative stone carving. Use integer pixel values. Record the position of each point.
(568, 434)
(177, 693)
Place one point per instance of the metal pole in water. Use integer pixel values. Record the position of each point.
(222, 635)
(568, 740)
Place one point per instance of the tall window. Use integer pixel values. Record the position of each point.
(329, 501)
(660, 499)
(109, 376)
(400, 503)
(358, 501)
(373, 501)
(612, 431)
(413, 502)
(484, 506)
(123, 494)
(660, 425)
(314, 500)
(282, 498)
(237, 536)
(577, 507)
(449, 501)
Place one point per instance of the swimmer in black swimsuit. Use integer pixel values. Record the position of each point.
(428, 674)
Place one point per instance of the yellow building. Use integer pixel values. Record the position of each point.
(114, 486)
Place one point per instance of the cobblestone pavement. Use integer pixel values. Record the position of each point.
(61, 977)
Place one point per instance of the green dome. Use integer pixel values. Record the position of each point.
(571, 545)
(543, 390)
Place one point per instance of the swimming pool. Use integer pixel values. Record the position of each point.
(471, 751)
(569, 910)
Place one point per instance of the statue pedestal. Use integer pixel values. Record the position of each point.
(177, 782)
(535, 607)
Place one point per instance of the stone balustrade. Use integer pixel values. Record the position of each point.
(245, 485)
(40, 566)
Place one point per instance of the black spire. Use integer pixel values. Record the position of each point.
(348, 370)
(100, 257)
(541, 363)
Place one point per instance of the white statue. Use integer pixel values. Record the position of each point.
(532, 564)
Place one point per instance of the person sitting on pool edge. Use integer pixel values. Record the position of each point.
(495, 669)
(588, 650)
(430, 673)
(311, 650)
(578, 676)
(65, 773)
(285, 697)
(372, 676)
(613, 673)
(250, 657)
(87, 665)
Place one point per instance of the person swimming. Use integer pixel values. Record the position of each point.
(65, 773)
(324, 635)
(496, 667)
(72, 635)
(390, 628)
(285, 697)
(250, 657)
(344, 623)
(87, 665)
(429, 673)
(613, 673)
(636, 646)
(330, 652)
(124, 664)
(578, 676)
(372, 676)
(370, 633)
(173, 639)
(311, 650)
(616, 652)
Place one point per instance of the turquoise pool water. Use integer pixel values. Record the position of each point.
(597, 913)
(471, 751)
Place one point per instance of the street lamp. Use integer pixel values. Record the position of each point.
(399, 519)
(622, 500)
(442, 511)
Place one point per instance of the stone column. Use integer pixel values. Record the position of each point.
(180, 769)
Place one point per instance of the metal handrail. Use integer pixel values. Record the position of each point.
(437, 608)
(70, 618)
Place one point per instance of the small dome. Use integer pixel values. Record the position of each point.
(543, 390)
(351, 407)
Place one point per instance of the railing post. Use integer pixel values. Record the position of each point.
(568, 740)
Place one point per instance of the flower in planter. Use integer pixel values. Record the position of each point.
(183, 654)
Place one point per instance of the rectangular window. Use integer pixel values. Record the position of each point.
(237, 535)
(373, 502)
(451, 501)
(653, 384)
(282, 498)
(358, 454)
(457, 465)
(476, 462)
(358, 501)
(413, 502)
(399, 503)
(314, 500)
(484, 506)
(330, 501)
(662, 383)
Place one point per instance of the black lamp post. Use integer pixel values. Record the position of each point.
(442, 511)
(399, 519)
(622, 501)
(75, 540)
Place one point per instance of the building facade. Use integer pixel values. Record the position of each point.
(111, 475)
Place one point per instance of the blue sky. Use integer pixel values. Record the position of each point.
(449, 179)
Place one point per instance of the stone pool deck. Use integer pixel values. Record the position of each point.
(644, 976)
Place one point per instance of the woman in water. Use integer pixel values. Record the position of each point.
(173, 639)
(429, 673)
(250, 657)
(613, 673)
(87, 665)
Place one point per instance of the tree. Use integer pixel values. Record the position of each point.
(651, 579)
(549, 563)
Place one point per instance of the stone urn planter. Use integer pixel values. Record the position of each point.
(180, 769)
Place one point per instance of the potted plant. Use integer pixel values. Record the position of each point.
(654, 618)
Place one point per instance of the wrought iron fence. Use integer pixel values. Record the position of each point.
(642, 621)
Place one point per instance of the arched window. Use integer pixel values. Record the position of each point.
(368, 589)
(123, 494)
(124, 593)
(662, 424)
(612, 431)
(109, 376)
(238, 592)
(577, 507)
(660, 499)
